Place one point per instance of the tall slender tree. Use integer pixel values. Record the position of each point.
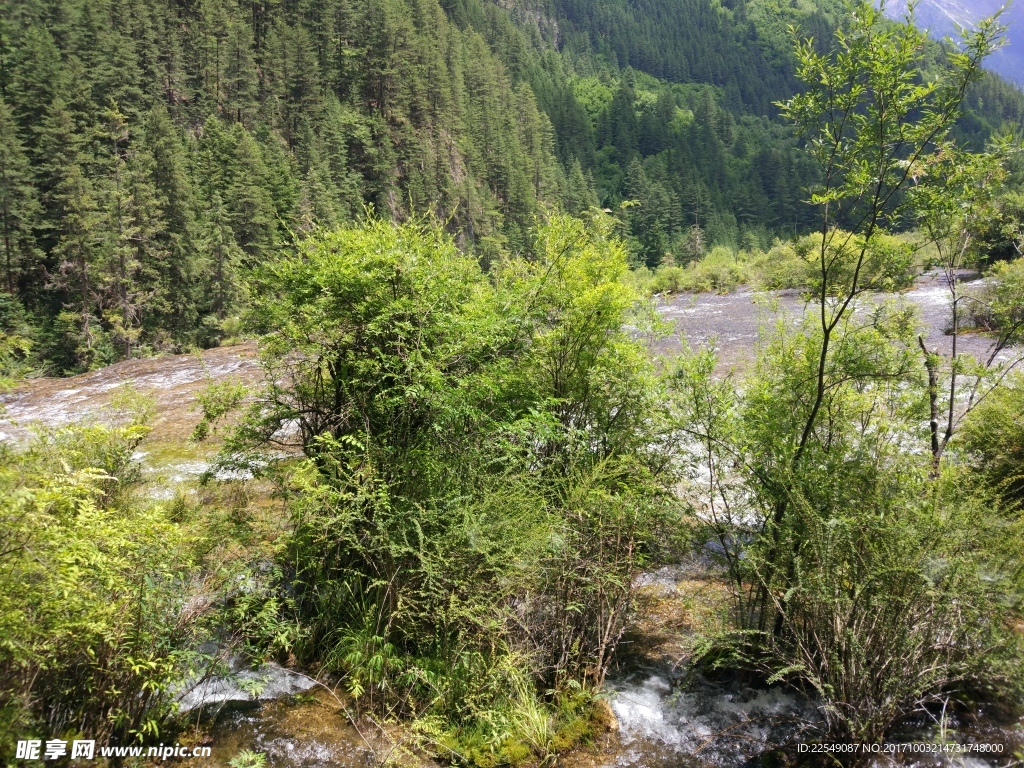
(19, 207)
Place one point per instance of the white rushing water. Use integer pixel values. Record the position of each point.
(722, 724)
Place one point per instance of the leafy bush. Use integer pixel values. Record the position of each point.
(217, 400)
(992, 439)
(105, 598)
(721, 271)
(997, 306)
(890, 266)
(479, 489)
(92, 604)
(888, 612)
(880, 590)
(18, 343)
(787, 265)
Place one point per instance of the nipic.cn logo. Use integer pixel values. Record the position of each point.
(36, 749)
(85, 749)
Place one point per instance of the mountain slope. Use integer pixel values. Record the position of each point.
(154, 152)
(942, 18)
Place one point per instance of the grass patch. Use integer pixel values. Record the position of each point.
(533, 731)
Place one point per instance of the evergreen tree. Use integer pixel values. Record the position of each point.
(78, 246)
(135, 257)
(36, 78)
(19, 208)
(224, 259)
(248, 197)
(241, 85)
(163, 161)
(297, 115)
(579, 194)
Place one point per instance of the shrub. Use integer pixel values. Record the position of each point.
(478, 490)
(880, 590)
(890, 266)
(785, 265)
(992, 439)
(104, 597)
(91, 591)
(997, 306)
(721, 271)
(888, 612)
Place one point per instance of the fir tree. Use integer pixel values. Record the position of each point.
(135, 256)
(77, 249)
(298, 114)
(224, 258)
(19, 208)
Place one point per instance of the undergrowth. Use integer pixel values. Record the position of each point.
(892, 265)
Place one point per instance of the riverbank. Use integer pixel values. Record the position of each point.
(666, 712)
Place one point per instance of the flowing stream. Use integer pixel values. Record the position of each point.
(668, 715)
(668, 720)
(732, 322)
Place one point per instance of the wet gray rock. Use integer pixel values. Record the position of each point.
(242, 686)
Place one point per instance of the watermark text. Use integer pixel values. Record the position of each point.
(86, 749)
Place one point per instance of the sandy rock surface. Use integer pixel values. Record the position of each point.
(173, 381)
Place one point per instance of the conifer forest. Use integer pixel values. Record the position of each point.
(511, 383)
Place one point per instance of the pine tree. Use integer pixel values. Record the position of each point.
(78, 249)
(579, 195)
(211, 51)
(224, 259)
(240, 84)
(335, 153)
(537, 139)
(72, 227)
(622, 129)
(134, 258)
(19, 208)
(257, 196)
(174, 309)
(36, 79)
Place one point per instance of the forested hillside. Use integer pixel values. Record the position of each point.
(155, 151)
(152, 150)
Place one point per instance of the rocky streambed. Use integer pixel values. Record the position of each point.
(172, 381)
(667, 714)
(670, 716)
(732, 322)
(729, 322)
